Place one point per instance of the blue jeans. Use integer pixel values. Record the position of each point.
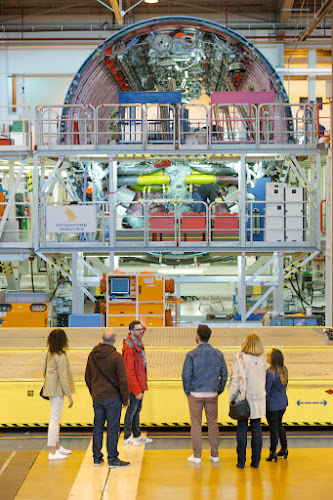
(109, 410)
(256, 441)
(132, 417)
(198, 207)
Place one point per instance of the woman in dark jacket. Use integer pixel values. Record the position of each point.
(276, 403)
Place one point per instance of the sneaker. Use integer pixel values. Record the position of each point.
(118, 463)
(64, 451)
(57, 456)
(98, 462)
(194, 460)
(132, 441)
(144, 440)
(214, 459)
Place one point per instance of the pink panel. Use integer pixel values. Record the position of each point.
(242, 97)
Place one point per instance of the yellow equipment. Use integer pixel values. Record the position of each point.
(133, 297)
(24, 315)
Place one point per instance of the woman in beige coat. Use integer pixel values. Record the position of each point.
(251, 365)
(58, 383)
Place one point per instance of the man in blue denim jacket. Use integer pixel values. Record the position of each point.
(204, 377)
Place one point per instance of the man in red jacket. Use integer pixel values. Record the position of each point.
(107, 383)
(135, 362)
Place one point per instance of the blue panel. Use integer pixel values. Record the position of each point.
(86, 320)
(259, 190)
(299, 321)
(310, 321)
(150, 97)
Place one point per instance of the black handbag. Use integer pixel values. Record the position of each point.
(42, 389)
(42, 395)
(240, 410)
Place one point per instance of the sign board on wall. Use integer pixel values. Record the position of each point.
(71, 219)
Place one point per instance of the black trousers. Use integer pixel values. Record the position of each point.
(276, 429)
(256, 440)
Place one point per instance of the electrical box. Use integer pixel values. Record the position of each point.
(275, 191)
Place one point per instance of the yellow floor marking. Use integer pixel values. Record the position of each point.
(167, 474)
(50, 480)
(102, 483)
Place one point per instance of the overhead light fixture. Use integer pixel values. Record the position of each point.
(151, 1)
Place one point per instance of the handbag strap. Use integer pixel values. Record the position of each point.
(242, 376)
(102, 372)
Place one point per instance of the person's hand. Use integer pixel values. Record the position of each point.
(139, 396)
(70, 402)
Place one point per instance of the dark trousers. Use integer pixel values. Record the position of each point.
(109, 410)
(276, 429)
(198, 207)
(132, 417)
(256, 440)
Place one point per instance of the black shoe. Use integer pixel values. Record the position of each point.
(98, 462)
(272, 457)
(240, 466)
(282, 453)
(254, 465)
(118, 463)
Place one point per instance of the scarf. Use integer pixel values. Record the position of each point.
(138, 342)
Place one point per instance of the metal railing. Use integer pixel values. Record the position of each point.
(189, 126)
(15, 128)
(166, 223)
(67, 126)
(281, 223)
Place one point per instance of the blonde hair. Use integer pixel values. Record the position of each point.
(252, 345)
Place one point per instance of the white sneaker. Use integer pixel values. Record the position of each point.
(144, 440)
(214, 459)
(57, 456)
(194, 460)
(132, 441)
(64, 451)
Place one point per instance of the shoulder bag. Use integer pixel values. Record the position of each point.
(41, 393)
(240, 410)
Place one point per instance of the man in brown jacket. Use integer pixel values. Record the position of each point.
(108, 385)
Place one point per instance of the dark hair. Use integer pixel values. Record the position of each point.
(204, 332)
(57, 341)
(278, 366)
(132, 325)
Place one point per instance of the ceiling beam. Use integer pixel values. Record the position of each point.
(322, 12)
(284, 17)
(115, 7)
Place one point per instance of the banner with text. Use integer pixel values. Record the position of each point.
(71, 219)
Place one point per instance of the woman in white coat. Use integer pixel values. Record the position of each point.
(58, 383)
(254, 368)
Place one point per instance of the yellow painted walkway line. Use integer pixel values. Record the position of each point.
(50, 480)
(102, 483)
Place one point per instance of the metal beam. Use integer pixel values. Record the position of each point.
(12, 196)
(296, 267)
(260, 301)
(50, 177)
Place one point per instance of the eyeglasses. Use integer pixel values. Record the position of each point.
(138, 329)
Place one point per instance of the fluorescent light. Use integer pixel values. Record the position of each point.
(151, 1)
